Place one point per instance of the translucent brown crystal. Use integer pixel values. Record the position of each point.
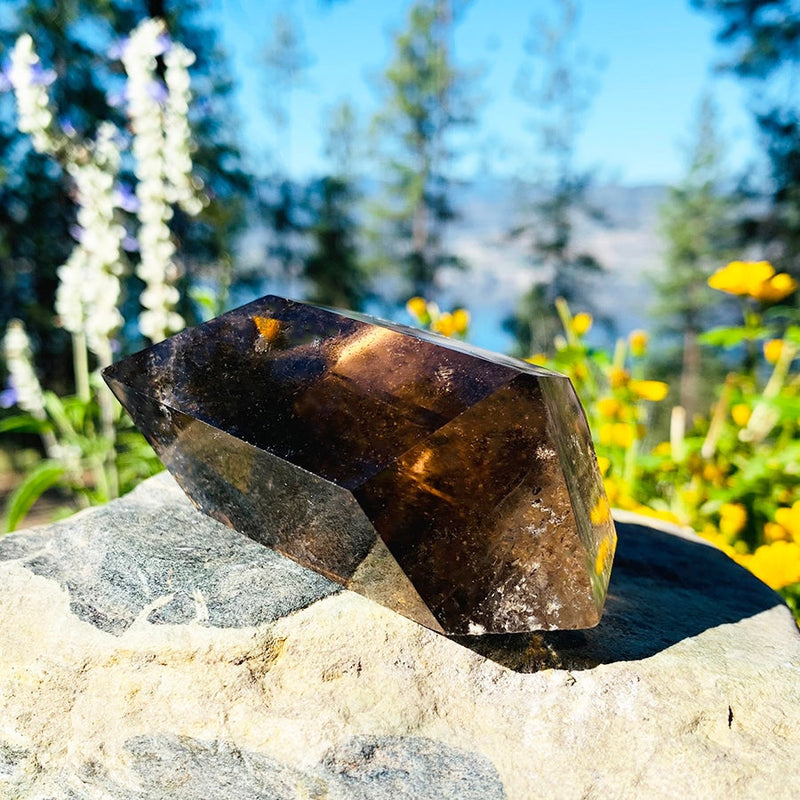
(455, 486)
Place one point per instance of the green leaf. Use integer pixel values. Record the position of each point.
(792, 334)
(730, 337)
(55, 408)
(23, 423)
(44, 475)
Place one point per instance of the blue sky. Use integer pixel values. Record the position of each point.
(659, 61)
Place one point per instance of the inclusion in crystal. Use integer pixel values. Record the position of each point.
(456, 486)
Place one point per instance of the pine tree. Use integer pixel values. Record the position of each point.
(333, 265)
(558, 84)
(426, 102)
(764, 39)
(697, 224)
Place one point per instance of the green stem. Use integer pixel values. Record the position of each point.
(763, 418)
(565, 315)
(631, 455)
(717, 423)
(107, 405)
(80, 360)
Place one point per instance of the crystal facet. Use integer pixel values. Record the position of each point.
(455, 486)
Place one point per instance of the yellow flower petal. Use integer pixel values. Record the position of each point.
(638, 341)
(461, 320)
(540, 359)
(418, 308)
(789, 518)
(741, 277)
(777, 564)
(649, 390)
(740, 413)
(774, 532)
(608, 407)
(775, 289)
(581, 323)
(623, 434)
(732, 518)
(444, 325)
(618, 377)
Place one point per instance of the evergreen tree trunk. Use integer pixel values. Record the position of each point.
(691, 373)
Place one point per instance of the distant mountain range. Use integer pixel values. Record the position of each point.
(627, 244)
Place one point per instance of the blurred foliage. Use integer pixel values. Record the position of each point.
(558, 82)
(427, 101)
(78, 464)
(733, 475)
(763, 39)
(36, 213)
(697, 222)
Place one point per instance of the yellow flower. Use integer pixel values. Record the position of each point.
(713, 474)
(638, 341)
(732, 518)
(605, 433)
(444, 325)
(461, 320)
(608, 407)
(581, 323)
(777, 564)
(662, 449)
(741, 277)
(603, 464)
(418, 308)
(618, 377)
(612, 490)
(775, 289)
(650, 390)
(619, 434)
(540, 359)
(740, 413)
(774, 532)
(656, 513)
(691, 497)
(772, 350)
(623, 434)
(789, 518)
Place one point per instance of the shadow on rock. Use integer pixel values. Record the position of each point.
(664, 588)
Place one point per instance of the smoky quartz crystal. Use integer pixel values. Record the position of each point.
(458, 487)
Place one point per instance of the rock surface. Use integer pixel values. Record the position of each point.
(147, 651)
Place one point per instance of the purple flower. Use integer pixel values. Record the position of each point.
(163, 44)
(67, 126)
(126, 199)
(76, 232)
(8, 397)
(117, 49)
(157, 91)
(130, 244)
(42, 77)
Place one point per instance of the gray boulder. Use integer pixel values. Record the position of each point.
(147, 651)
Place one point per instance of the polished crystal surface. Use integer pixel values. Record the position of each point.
(455, 486)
